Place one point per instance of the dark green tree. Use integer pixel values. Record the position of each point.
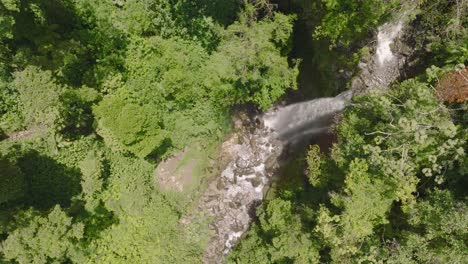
(249, 65)
(277, 238)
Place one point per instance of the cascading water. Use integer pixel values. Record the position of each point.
(296, 122)
(385, 65)
(385, 38)
(233, 197)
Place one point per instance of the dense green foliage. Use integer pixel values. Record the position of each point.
(393, 187)
(43, 239)
(280, 237)
(176, 92)
(392, 180)
(445, 36)
(347, 21)
(93, 94)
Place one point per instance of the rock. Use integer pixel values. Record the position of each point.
(256, 181)
(235, 190)
(244, 171)
(242, 163)
(220, 184)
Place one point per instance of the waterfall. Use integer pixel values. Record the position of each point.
(384, 67)
(298, 121)
(232, 198)
(385, 37)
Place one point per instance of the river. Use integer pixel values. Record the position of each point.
(232, 198)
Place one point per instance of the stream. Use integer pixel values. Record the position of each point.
(232, 198)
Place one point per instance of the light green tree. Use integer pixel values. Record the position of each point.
(43, 239)
(92, 179)
(315, 163)
(249, 65)
(129, 126)
(345, 21)
(389, 142)
(39, 96)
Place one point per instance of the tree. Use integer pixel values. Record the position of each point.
(147, 229)
(11, 118)
(92, 179)
(128, 126)
(176, 93)
(249, 66)
(365, 204)
(47, 181)
(7, 10)
(441, 27)
(346, 21)
(315, 162)
(75, 111)
(437, 232)
(43, 239)
(453, 86)
(277, 238)
(388, 142)
(39, 96)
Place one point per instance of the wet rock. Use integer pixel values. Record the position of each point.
(257, 181)
(237, 190)
(237, 227)
(242, 163)
(243, 171)
(271, 162)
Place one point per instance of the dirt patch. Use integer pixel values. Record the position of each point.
(22, 134)
(177, 172)
(28, 133)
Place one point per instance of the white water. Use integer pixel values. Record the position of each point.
(295, 122)
(233, 196)
(385, 65)
(386, 36)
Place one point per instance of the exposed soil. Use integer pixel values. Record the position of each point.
(24, 133)
(174, 174)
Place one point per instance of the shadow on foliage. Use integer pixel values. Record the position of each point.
(222, 11)
(48, 182)
(160, 151)
(95, 222)
(77, 117)
(11, 192)
(11, 183)
(2, 135)
(51, 34)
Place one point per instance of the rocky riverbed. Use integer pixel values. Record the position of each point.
(250, 155)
